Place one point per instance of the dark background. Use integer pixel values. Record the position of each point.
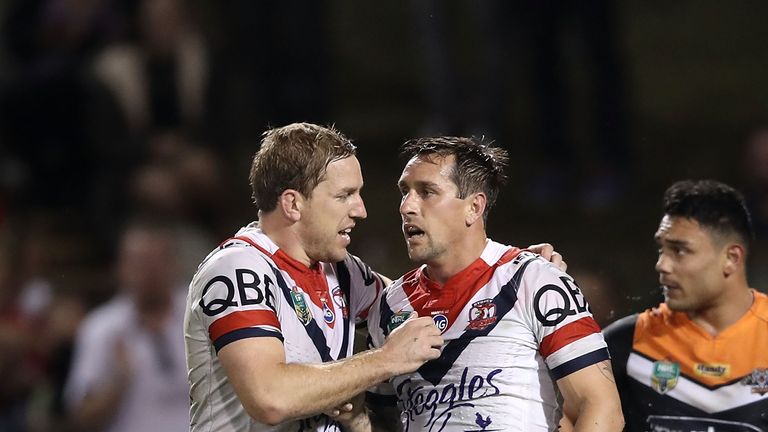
(601, 104)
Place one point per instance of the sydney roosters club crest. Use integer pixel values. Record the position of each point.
(482, 314)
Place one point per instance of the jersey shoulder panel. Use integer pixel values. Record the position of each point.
(391, 308)
(234, 294)
(619, 336)
(760, 308)
(361, 284)
(559, 315)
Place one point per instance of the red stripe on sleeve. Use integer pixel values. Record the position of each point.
(567, 334)
(242, 319)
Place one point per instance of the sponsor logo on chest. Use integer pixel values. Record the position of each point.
(713, 370)
(664, 376)
(441, 321)
(437, 404)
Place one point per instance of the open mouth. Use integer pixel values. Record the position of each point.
(669, 287)
(412, 231)
(345, 233)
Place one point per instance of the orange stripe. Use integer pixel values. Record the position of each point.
(568, 333)
(665, 335)
(242, 319)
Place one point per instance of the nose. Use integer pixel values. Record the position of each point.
(662, 264)
(407, 204)
(358, 209)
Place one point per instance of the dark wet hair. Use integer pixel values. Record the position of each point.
(479, 165)
(714, 205)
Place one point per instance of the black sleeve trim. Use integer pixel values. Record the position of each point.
(244, 333)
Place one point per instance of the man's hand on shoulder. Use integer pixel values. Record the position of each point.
(548, 252)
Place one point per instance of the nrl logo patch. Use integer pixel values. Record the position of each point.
(665, 375)
(714, 370)
(397, 319)
(300, 306)
(482, 314)
(758, 380)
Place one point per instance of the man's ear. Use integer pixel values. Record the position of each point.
(735, 255)
(290, 203)
(476, 208)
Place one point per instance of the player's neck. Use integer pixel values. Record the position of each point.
(284, 235)
(717, 318)
(456, 259)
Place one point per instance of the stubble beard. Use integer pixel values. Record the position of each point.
(426, 253)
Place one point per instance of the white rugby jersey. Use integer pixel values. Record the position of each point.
(248, 287)
(512, 323)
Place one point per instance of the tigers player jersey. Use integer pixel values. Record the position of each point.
(512, 323)
(674, 376)
(248, 287)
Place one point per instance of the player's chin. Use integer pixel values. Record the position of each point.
(416, 256)
(337, 254)
(677, 304)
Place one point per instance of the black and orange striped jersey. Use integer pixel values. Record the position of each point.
(674, 376)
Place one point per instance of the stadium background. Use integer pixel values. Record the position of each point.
(679, 87)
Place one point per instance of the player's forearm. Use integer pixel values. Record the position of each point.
(300, 390)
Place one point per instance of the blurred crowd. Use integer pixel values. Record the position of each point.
(125, 133)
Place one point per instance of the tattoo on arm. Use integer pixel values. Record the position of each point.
(605, 369)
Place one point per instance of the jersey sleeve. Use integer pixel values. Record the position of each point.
(382, 394)
(569, 338)
(376, 335)
(365, 285)
(235, 296)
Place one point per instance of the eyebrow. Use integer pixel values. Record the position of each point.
(671, 242)
(420, 184)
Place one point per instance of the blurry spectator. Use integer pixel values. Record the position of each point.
(128, 371)
(756, 170)
(181, 184)
(36, 325)
(159, 82)
(756, 193)
(44, 96)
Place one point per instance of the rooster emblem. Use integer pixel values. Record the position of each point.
(483, 422)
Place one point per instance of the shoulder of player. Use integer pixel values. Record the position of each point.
(410, 278)
(531, 270)
(621, 329)
(760, 308)
(395, 293)
(354, 264)
(226, 260)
